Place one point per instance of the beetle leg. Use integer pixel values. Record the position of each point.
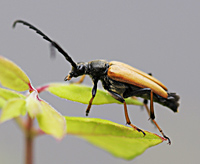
(152, 115)
(94, 90)
(128, 120)
(153, 119)
(80, 80)
(145, 102)
(67, 78)
(121, 99)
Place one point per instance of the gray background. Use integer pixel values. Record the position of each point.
(161, 37)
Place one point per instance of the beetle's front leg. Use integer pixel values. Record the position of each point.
(80, 80)
(94, 90)
(67, 78)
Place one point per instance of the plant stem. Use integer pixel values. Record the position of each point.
(29, 137)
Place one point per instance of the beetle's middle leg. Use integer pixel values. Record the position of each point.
(121, 99)
(128, 120)
(152, 115)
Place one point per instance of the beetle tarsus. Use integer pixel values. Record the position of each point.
(67, 78)
(138, 129)
(169, 141)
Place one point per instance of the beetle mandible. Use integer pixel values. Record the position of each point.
(120, 80)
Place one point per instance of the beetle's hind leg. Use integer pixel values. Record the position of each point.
(152, 115)
(121, 99)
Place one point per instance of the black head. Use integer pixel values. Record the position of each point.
(79, 70)
(76, 67)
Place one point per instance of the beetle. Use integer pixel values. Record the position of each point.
(120, 80)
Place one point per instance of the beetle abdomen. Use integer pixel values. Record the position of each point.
(171, 101)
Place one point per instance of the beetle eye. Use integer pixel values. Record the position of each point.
(81, 68)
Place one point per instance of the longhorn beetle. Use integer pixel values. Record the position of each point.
(120, 80)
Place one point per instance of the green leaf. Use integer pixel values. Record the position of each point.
(119, 140)
(50, 121)
(81, 93)
(2, 102)
(7, 94)
(13, 108)
(12, 76)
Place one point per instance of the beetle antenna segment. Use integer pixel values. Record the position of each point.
(54, 44)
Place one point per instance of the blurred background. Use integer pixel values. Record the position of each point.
(161, 37)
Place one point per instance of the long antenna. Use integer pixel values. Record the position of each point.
(54, 44)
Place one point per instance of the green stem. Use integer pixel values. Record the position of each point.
(29, 137)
